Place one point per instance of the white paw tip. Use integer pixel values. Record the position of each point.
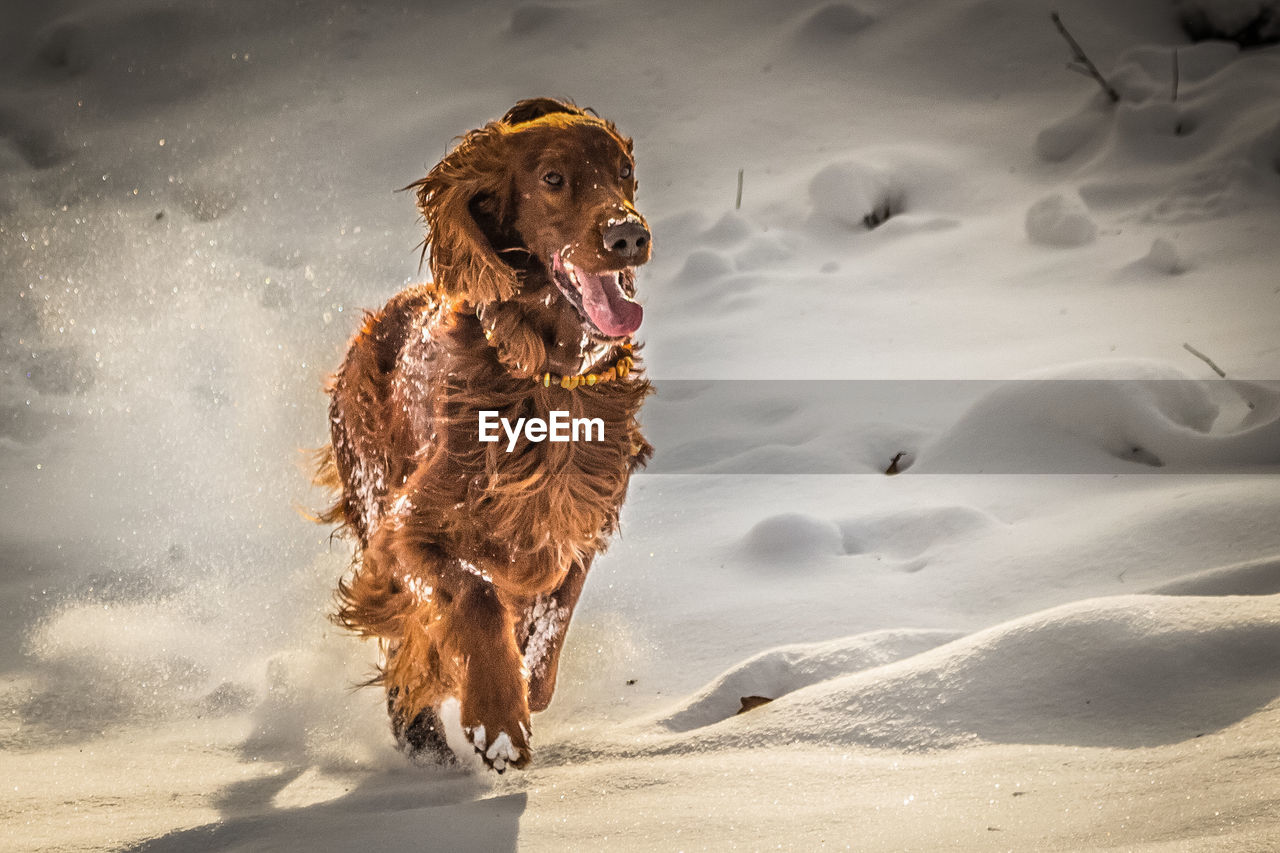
(503, 750)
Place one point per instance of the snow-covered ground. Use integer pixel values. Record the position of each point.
(1057, 629)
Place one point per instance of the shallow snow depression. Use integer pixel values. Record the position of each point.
(1054, 629)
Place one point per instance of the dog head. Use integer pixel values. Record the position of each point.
(548, 188)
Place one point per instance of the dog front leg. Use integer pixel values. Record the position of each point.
(460, 642)
(542, 632)
(492, 690)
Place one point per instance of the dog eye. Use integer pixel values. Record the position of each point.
(554, 179)
(626, 172)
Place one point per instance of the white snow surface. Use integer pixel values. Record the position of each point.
(1057, 629)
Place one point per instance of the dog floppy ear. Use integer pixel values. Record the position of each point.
(471, 185)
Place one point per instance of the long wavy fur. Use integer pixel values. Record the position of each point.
(432, 509)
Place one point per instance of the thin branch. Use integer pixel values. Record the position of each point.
(1079, 55)
(1218, 370)
(737, 205)
(1236, 385)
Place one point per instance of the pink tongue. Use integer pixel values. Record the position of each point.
(607, 306)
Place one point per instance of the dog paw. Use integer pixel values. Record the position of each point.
(504, 749)
(421, 738)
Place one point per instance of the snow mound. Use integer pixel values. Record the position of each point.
(761, 252)
(1248, 22)
(1107, 417)
(914, 187)
(1128, 672)
(1066, 137)
(1252, 577)
(777, 672)
(856, 195)
(1165, 258)
(792, 536)
(1185, 111)
(731, 229)
(1060, 220)
(701, 268)
(911, 532)
(831, 24)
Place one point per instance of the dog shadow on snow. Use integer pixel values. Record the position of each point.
(427, 808)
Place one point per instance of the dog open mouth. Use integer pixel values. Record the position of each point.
(599, 297)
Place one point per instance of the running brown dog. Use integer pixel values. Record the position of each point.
(471, 554)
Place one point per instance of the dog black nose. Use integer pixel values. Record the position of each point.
(628, 238)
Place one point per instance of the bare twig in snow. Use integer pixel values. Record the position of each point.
(737, 205)
(1218, 370)
(1236, 385)
(1085, 65)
